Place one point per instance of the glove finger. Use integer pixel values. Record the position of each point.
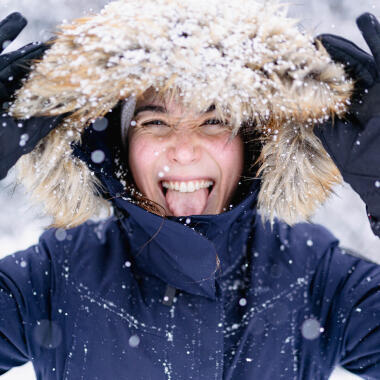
(10, 28)
(22, 65)
(370, 28)
(30, 51)
(359, 64)
(346, 46)
(16, 65)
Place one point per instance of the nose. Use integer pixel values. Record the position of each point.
(184, 148)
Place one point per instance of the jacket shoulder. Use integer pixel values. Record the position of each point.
(84, 246)
(302, 236)
(313, 236)
(88, 234)
(300, 247)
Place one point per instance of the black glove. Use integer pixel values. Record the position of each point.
(15, 65)
(354, 143)
(18, 137)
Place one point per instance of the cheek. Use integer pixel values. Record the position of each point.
(141, 155)
(230, 157)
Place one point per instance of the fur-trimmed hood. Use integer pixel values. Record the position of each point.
(245, 57)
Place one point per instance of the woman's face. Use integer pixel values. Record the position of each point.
(182, 160)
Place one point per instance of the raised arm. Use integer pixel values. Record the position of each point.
(18, 137)
(354, 143)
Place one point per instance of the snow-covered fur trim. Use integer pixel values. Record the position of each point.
(245, 57)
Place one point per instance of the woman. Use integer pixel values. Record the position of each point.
(203, 272)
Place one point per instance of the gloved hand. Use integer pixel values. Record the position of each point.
(354, 143)
(15, 65)
(18, 137)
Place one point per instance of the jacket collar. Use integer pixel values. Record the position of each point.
(183, 251)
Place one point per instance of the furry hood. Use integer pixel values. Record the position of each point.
(245, 57)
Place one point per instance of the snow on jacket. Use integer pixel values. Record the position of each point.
(100, 302)
(138, 296)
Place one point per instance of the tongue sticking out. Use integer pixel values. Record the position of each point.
(184, 204)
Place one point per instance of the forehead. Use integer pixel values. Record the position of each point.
(169, 103)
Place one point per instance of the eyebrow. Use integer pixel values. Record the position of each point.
(160, 109)
(152, 108)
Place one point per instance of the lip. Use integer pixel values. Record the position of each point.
(185, 179)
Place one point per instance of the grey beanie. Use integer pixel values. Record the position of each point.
(127, 112)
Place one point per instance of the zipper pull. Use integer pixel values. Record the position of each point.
(169, 295)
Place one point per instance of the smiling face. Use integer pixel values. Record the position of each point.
(182, 160)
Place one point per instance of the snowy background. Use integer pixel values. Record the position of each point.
(21, 223)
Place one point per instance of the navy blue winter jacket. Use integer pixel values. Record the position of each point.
(140, 297)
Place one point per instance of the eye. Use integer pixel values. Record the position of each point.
(154, 122)
(214, 126)
(155, 127)
(213, 122)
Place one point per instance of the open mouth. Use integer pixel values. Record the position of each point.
(186, 186)
(184, 198)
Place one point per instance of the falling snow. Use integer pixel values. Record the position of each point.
(23, 139)
(60, 234)
(309, 331)
(134, 341)
(100, 124)
(6, 44)
(97, 156)
(242, 302)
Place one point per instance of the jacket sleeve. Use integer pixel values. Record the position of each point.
(348, 288)
(26, 288)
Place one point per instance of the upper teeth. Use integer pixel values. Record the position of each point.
(187, 187)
